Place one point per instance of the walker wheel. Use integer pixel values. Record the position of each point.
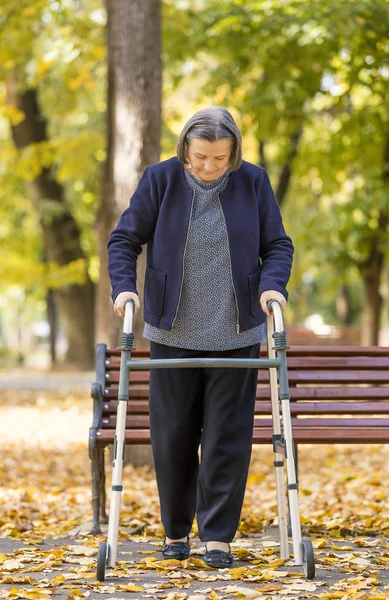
(308, 558)
(101, 561)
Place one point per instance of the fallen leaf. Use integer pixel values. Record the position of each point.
(242, 592)
(12, 565)
(83, 550)
(129, 588)
(319, 543)
(269, 587)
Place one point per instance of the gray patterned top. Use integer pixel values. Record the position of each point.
(207, 315)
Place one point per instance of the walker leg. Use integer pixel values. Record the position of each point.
(277, 448)
(302, 549)
(290, 458)
(108, 551)
(118, 461)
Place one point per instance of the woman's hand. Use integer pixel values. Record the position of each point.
(271, 295)
(120, 300)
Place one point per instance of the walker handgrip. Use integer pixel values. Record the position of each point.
(128, 315)
(269, 303)
(276, 314)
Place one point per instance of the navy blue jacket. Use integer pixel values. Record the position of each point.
(159, 212)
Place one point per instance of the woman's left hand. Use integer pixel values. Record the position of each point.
(271, 295)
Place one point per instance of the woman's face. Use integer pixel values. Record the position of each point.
(209, 160)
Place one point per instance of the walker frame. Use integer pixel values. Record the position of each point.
(282, 438)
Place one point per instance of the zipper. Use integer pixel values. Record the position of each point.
(183, 259)
(229, 255)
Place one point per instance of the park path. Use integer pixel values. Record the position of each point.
(71, 572)
(34, 380)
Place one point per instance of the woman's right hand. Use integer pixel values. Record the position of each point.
(120, 300)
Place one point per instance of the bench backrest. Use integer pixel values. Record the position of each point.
(338, 393)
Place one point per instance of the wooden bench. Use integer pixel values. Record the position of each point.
(339, 395)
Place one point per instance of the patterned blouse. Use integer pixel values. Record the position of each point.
(207, 315)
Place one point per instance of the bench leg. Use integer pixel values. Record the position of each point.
(96, 485)
(103, 497)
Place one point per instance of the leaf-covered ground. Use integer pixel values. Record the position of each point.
(45, 503)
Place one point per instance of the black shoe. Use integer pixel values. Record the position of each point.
(177, 550)
(218, 559)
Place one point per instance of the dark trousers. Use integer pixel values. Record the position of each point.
(214, 407)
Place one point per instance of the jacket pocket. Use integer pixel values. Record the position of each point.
(155, 285)
(253, 281)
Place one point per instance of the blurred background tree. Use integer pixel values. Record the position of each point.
(308, 84)
(52, 129)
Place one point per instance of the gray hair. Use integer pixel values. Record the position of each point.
(212, 123)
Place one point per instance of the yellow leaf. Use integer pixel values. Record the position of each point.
(319, 543)
(242, 553)
(194, 562)
(74, 594)
(270, 587)
(57, 580)
(17, 579)
(241, 592)
(15, 593)
(129, 588)
(332, 595)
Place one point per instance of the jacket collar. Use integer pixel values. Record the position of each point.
(178, 164)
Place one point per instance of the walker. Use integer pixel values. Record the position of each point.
(283, 446)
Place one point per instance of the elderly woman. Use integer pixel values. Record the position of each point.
(217, 252)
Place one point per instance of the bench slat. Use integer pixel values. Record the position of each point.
(141, 391)
(142, 422)
(322, 435)
(295, 377)
(264, 408)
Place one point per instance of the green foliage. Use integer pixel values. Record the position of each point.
(280, 66)
(59, 49)
(322, 68)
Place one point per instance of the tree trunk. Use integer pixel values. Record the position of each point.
(371, 314)
(133, 134)
(262, 156)
(345, 312)
(61, 235)
(133, 138)
(286, 171)
(51, 312)
(371, 270)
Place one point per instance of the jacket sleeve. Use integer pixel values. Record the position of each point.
(135, 227)
(276, 248)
